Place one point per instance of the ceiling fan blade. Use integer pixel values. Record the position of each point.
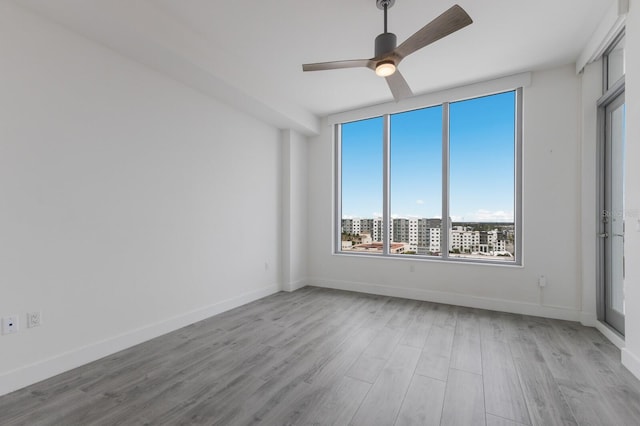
(398, 85)
(449, 22)
(355, 63)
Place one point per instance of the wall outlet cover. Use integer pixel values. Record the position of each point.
(542, 281)
(34, 319)
(10, 324)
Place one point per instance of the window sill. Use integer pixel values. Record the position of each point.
(434, 259)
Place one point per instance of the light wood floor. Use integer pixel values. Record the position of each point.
(318, 356)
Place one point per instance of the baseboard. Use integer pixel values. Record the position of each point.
(631, 361)
(296, 285)
(555, 312)
(613, 337)
(588, 319)
(33, 373)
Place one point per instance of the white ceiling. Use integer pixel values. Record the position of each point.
(249, 52)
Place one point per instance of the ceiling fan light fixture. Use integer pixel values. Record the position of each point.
(385, 69)
(388, 54)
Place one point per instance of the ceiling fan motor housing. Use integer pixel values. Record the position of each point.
(385, 43)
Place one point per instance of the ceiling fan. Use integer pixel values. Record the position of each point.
(388, 56)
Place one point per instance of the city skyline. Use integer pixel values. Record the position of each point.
(423, 237)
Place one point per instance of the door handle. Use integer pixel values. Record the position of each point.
(604, 235)
(618, 235)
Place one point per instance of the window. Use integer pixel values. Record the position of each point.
(415, 177)
(482, 172)
(398, 175)
(614, 62)
(361, 179)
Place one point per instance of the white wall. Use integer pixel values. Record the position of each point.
(129, 204)
(551, 222)
(631, 354)
(294, 210)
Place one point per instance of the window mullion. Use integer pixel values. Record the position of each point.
(444, 230)
(386, 183)
(338, 188)
(518, 178)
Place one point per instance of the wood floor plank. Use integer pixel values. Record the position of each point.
(373, 359)
(142, 406)
(290, 409)
(422, 404)
(386, 310)
(92, 409)
(557, 352)
(383, 345)
(259, 308)
(405, 314)
(463, 399)
(546, 404)
(436, 355)
(493, 325)
(466, 354)
(287, 360)
(337, 406)
(499, 421)
(580, 366)
(623, 401)
(36, 411)
(609, 371)
(418, 330)
(366, 368)
(308, 357)
(211, 406)
(503, 393)
(342, 358)
(588, 408)
(386, 395)
(602, 343)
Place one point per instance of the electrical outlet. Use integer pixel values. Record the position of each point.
(10, 324)
(542, 281)
(34, 319)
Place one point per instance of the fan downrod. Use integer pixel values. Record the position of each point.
(382, 3)
(386, 42)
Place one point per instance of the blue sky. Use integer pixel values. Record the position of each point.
(481, 162)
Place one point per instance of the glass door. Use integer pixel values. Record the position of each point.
(613, 214)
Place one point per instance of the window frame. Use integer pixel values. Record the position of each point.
(610, 92)
(608, 86)
(386, 184)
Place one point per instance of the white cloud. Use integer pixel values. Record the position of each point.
(488, 216)
(414, 216)
(419, 202)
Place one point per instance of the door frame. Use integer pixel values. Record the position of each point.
(611, 96)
